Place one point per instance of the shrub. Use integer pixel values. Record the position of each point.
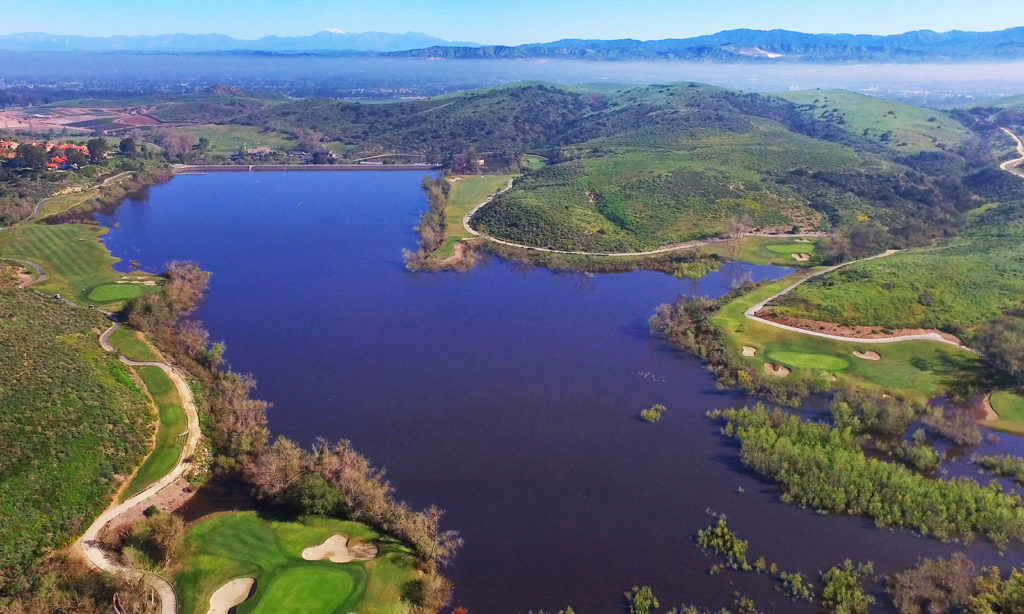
(653, 413)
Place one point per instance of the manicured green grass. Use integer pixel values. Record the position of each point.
(75, 261)
(72, 422)
(790, 248)
(765, 250)
(808, 360)
(1010, 407)
(129, 343)
(108, 293)
(60, 204)
(906, 128)
(532, 162)
(227, 139)
(172, 424)
(915, 368)
(964, 282)
(467, 192)
(233, 545)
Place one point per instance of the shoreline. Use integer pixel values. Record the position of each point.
(193, 169)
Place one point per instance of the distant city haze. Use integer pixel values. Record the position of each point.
(509, 23)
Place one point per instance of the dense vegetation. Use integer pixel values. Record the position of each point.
(824, 467)
(956, 585)
(73, 423)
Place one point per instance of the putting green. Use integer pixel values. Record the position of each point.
(790, 248)
(808, 360)
(115, 292)
(225, 546)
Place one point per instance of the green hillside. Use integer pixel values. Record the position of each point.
(73, 423)
(901, 127)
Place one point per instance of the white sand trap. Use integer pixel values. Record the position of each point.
(231, 594)
(869, 355)
(749, 351)
(335, 549)
(801, 257)
(776, 370)
(801, 240)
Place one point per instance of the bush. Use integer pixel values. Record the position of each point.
(653, 413)
(311, 494)
(842, 592)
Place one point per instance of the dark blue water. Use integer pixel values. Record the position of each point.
(506, 396)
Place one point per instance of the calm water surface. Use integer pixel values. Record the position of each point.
(508, 397)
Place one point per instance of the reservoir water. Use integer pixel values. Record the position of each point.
(506, 396)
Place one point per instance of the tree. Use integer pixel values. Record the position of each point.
(311, 494)
(1001, 342)
(31, 156)
(77, 158)
(203, 144)
(842, 593)
(128, 146)
(97, 149)
(641, 600)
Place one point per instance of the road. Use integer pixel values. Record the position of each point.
(1010, 166)
(466, 219)
(89, 542)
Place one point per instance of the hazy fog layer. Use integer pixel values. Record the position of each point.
(937, 84)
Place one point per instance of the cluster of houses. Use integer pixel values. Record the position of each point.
(57, 153)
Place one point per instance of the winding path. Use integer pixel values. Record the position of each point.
(751, 313)
(1011, 166)
(466, 219)
(107, 181)
(88, 542)
(40, 273)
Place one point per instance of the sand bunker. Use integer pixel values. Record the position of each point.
(335, 549)
(801, 257)
(869, 355)
(776, 370)
(801, 240)
(749, 351)
(231, 594)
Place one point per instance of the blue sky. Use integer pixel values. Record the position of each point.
(505, 22)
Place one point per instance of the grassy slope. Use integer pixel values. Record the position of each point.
(647, 196)
(76, 262)
(468, 192)
(171, 424)
(963, 283)
(72, 421)
(226, 546)
(902, 127)
(60, 204)
(920, 368)
(227, 139)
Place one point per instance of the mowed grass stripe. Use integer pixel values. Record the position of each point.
(171, 423)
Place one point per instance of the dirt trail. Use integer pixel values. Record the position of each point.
(466, 219)
(88, 542)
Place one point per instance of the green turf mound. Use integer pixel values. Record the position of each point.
(808, 360)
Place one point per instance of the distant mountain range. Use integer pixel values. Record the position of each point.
(776, 46)
(767, 46)
(326, 40)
